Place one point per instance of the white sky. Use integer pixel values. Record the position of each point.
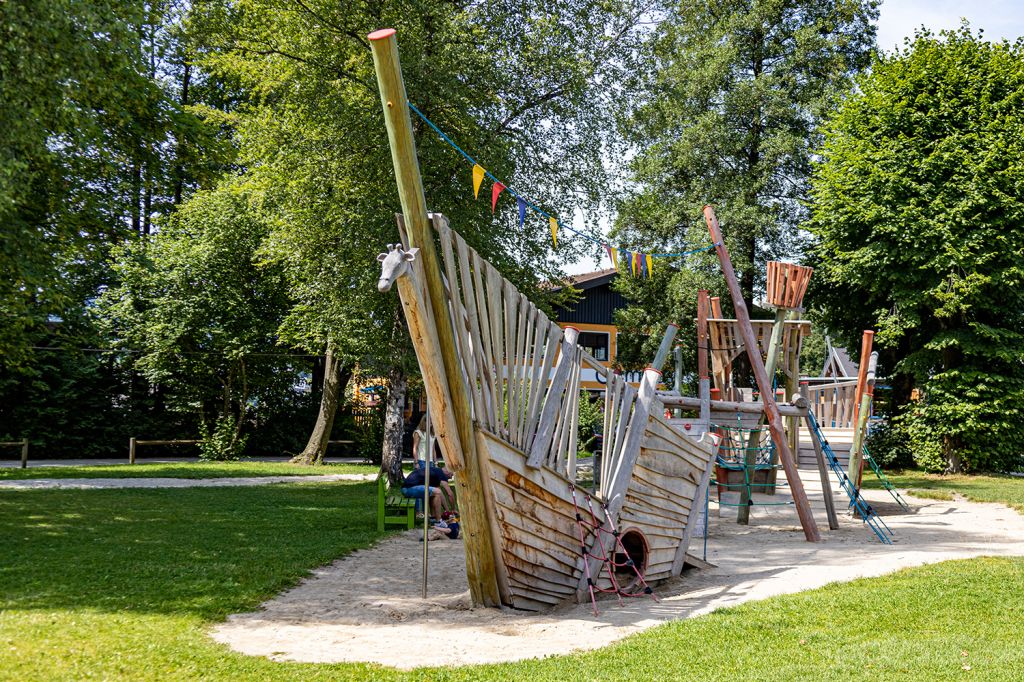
(899, 18)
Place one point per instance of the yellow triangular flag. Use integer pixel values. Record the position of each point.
(650, 265)
(615, 257)
(478, 177)
(554, 230)
(632, 263)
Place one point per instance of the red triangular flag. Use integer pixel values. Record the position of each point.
(496, 189)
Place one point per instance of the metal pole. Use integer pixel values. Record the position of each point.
(426, 500)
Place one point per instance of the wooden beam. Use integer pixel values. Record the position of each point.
(775, 427)
(665, 347)
(691, 403)
(480, 551)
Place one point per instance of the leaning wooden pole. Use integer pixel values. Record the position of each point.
(481, 569)
(764, 384)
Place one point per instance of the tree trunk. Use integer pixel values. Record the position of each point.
(391, 454)
(316, 447)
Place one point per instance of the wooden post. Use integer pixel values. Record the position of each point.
(480, 549)
(716, 312)
(131, 450)
(24, 453)
(754, 441)
(819, 456)
(862, 371)
(703, 378)
(775, 427)
(666, 346)
(856, 467)
(677, 357)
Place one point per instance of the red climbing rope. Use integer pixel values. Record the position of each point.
(596, 528)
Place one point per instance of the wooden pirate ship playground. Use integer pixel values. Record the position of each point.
(503, 387)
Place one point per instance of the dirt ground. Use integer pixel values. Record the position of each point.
(357, 608)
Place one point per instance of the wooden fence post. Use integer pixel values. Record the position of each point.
(24, 453)
(131, 450)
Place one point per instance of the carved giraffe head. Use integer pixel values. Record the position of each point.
(395, 263)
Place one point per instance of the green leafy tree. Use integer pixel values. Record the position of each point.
(918, 208)
(96, 138)
(204, 315)
(526, 87)
(733, 92)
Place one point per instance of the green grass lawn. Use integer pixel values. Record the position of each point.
(184, 470)
(124, 584)
(1008, 490)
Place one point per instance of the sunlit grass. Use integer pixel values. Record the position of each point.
(1008, 490)
(124, 584)
(184, 470)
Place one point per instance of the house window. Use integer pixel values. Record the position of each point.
(595, 343)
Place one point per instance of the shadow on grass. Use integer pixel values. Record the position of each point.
(201, 551)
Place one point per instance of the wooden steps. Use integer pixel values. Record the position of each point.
(840, 439)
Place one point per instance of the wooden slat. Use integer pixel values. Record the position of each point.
(510, 297)
(496, 314)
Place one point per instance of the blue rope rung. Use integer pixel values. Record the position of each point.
(857, 501)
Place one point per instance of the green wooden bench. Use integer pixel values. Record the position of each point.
(393, 508)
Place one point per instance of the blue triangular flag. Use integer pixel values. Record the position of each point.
(522, 210)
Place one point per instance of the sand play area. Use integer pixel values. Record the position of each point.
(367, 606)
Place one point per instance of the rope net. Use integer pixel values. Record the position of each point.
(749, 450)
(590, 526)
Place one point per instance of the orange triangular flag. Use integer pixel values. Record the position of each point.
(496, 189)
(554, 230)
(478, 177)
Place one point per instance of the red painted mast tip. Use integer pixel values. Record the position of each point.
(381, 34)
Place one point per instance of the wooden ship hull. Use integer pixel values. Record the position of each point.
(503, 388)
(520, 375)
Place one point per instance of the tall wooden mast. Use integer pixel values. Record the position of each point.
(764, 384)
(480, 557)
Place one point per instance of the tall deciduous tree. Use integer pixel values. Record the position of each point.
(918, 210)
(94, 141)
(526, 87)
(204, 314)
(735, 89)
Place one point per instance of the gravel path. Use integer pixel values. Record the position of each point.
(362, 609)
(100, 483)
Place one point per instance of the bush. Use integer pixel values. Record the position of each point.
(591, 418)
(221, 443)
(969, 421)
(889, 445)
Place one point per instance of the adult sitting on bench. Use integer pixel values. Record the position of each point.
(413, 486)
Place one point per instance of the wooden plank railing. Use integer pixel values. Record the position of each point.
(832, 402)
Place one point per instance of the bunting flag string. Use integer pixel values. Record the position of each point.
(636, 262)
(478, 178)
